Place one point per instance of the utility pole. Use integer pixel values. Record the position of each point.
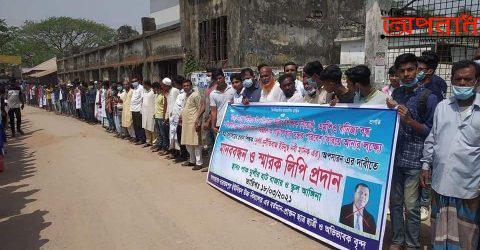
(376, 48)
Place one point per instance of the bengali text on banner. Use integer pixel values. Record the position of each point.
(323, 170)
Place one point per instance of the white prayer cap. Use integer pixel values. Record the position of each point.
(167, 81)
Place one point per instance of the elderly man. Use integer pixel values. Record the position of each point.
(315, 92)
(136, 108)
(452, 153)
(191, 127)
(148, 114)
(271, 91)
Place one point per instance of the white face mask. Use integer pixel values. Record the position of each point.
(478, 61)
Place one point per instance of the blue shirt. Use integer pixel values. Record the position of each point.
(253, 93)
(409, 141)
(438, 86)
(452, 149)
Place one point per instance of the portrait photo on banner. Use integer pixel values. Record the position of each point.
(360, 205)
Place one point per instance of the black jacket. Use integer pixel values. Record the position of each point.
(347, 217)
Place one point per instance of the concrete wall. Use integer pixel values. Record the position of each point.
(352, 52)
(118, 61)
(274, 32)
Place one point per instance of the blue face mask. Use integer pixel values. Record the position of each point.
(410, 84)
(463, 93)
(311, 82)
(247, 83)
(135, 85)
(119, 88)
(420, 76)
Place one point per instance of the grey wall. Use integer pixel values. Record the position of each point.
(275, 32)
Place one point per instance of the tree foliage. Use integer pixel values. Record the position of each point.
(66, 35)
(125, 32)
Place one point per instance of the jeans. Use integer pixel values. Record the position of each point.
(162, 129)
(405, 192)
(58, 108)
(111, 121)
(426, 195)
(63, 107)
(137, 126)
(12, 113)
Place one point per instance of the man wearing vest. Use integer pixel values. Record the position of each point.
(416, 107)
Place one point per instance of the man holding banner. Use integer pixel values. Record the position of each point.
(416, 107)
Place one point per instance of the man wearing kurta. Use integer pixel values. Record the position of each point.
(148, 113)
(126, 113)
(191, 132)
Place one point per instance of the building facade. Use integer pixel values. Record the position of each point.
(149, 56)
(234, 34)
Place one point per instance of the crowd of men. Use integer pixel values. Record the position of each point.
(437, 162)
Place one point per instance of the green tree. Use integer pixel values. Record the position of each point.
(124, 32)
(65, 34)
(8, 36)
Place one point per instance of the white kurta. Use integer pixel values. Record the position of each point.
(97, 113)
(103, 98)
(148, 111)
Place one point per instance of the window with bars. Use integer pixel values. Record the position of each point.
(212, 37)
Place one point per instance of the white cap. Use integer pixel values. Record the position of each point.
(167, 81)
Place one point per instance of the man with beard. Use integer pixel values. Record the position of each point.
(271, 91)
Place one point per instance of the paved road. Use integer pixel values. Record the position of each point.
(70, 185)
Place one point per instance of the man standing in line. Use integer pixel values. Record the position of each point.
(148, 114)
(292, 68)
(16, 103)
(452, 153)
(315, 91)
(393, 79)
(287, 85)
(427, 65)
(331, 79)
(236, 81)
(365, 93)
(179, 152)
(271, 91)
(136, 108)
(191, 136)
(126, 101)
(161, 142)
(251, 91)
(416, 107)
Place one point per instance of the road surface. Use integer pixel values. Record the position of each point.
(70, 185)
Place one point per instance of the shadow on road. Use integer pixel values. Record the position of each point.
(19, 230)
